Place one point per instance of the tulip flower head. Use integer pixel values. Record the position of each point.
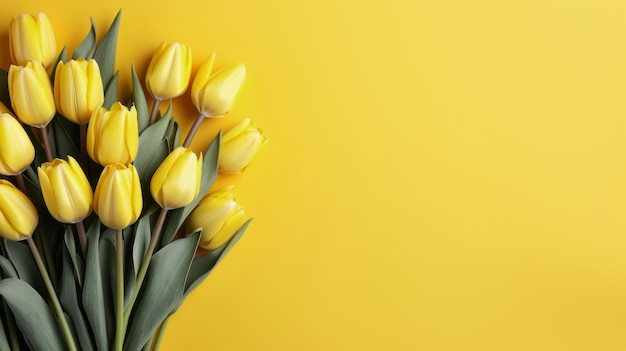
(18, 215)
(31, 38)
(31, 94)
(239, 147)
(176, 182)
(16, 149)
(214, 94)
(118, 200)
(78, 89)
(113, 135)
(169, 71)
(66, 190)
(219, 215)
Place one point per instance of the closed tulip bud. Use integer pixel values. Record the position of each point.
(78, 89)
(219, 215)
(177, 180)
(66, 190)
(18, 216)
(118, 200)
(169, 71)
(113, 136)
(16, 149)
(31, 94)
(239, 147)
(31, 39)
(214, 95)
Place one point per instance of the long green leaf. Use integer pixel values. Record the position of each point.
(69, 299)
(24, 263)
(7, 268)
(139, 99)
(93, 290)
(78, 266)
(149, 141)
(110, 94)
(162, 290)
(106, 51)
(4, 340)
(176, 218)
(88, 46)
(64, 142)
(33, 316)
(202, 266)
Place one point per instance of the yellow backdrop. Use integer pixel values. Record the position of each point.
(440, 175)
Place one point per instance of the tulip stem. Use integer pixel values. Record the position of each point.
(119, 328)
(193, 130)
(53, 296)
(159, 338)
(155, 110)
(20, 183)
(145, 263)
(46, 142)
(82, 237)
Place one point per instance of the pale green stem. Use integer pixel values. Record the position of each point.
(193, 130)
(53, 296)
(159, 338)
(46, 142)
(155, 110)
(119, 315)
(145, 263)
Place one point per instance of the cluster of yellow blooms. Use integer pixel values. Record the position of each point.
(41, 86)
(112, 138)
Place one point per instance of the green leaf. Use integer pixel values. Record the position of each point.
(88, 46)
(202, 266)
(69, 299)
(139, 99)
(24, 263)
(176, 218)
(107, 260)
(64, 143)
(141, 242)
(4, 340)
(78, 266)
(162, 290)
(149, 155)
(106, 51)
(7, 268)
(93, 290)
(62, 58)
(37, 323)
(4, 88)
(110, 95)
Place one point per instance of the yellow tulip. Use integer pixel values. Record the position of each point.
(169, 71)
(113, 135)
(31, 38)
(5, 109)
(214, 95)
(18, 215)
(177, 180)
(118, 200)
(239, 147)
(16, 149)
(219, 216)
(31, 94)
(66, 190)
(78, 89)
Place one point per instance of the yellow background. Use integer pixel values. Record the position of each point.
(440, 175)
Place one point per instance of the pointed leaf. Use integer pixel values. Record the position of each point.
(24, 263)
(106, 51)
(139, 99)
(146, 161)
(62, 57)
(77, 264)
(37, 323)
(110, 95)
(162, 290)
(202, 266)
(88, 45)
(69, 299)
(63, 141)
(8, 271)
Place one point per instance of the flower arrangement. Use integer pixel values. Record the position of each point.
(107, 218)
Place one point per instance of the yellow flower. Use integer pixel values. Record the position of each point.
(78, 89)
(213, 95)
(219, 216)
(18, 216)
(16, 149)
(113, 136)
(239, 147)
(66, 190)
(31, 94)
(31, 39)
(169, 71)
(177, 180)
(117, 200)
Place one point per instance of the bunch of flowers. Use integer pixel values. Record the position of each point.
(107, 218)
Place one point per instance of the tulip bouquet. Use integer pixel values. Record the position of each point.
(108, 219)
